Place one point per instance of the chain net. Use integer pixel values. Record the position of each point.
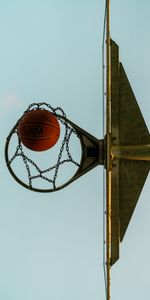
(49, 174)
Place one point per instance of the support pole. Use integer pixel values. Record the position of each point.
(131, 152)
(108, 138)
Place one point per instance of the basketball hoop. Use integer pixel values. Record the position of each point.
(89, 153)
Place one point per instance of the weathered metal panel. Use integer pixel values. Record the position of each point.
(115, 220)
(127, 176)
(133, 131)
(132, 178)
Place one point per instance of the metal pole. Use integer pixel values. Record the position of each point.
(131, 152)
(108, 135)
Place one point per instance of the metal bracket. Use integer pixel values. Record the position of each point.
(92, 151)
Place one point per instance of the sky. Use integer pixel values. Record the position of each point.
(52, 244)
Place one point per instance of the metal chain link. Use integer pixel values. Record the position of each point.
(65, 145)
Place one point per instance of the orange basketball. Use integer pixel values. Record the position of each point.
(39, 130)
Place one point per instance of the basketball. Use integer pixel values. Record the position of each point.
(38, 130)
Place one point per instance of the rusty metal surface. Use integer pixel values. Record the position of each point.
(115, 220)
(129, 171)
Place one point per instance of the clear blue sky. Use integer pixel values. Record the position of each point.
(51, 244)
